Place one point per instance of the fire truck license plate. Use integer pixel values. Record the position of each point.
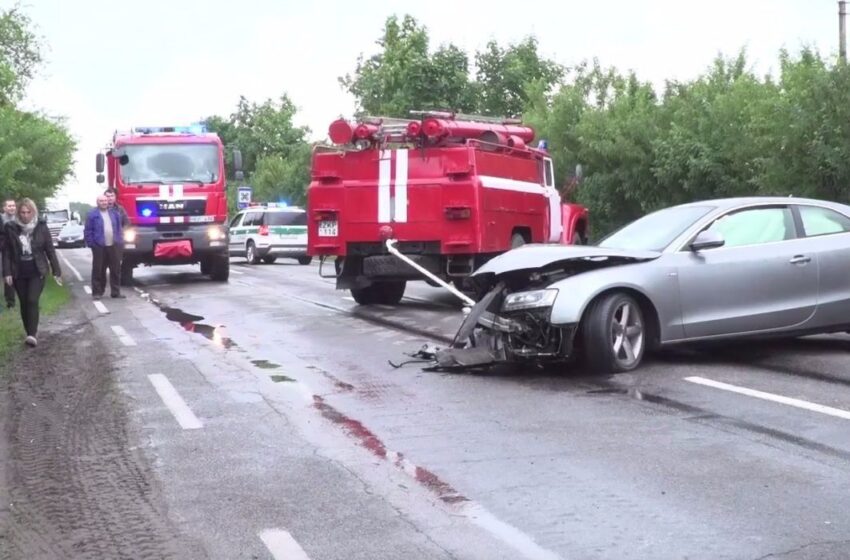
(328, 228)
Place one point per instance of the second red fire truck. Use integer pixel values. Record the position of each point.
(452, 191)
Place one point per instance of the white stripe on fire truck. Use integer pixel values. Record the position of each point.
(163, 191)
(502, 183)
(384, 171)
(177, 191)
(164, 220)
(401, 186)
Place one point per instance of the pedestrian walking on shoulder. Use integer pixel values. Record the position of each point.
(103, 235)
(9, 209)
(27, 259)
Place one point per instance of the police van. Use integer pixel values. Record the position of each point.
(264, 232)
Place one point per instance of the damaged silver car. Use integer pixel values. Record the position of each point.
(709, 270)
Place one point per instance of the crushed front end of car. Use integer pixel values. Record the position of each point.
(512, 319)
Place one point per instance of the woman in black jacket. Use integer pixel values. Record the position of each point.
(27, 253)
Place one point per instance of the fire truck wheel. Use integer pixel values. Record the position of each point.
(269, 260)
(305, 260)
(205, 266)
(220, 269)
(127, 273)
(251, 253)
(385, 293)
(517, 240)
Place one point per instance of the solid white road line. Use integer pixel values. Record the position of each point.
(282, 546)
(125, 338)
(100, 307)
(837, 412)
(74, 270)
(175, 403)
(87, 289)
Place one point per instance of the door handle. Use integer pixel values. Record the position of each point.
(800, 259)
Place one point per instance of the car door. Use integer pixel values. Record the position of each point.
(827, 233)
(762, 278)
(237, 235)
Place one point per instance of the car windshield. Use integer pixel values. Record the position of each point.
(170, 163)
(286, 218)
(655, 231)
(56, 216)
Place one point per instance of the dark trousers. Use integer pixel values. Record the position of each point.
(29, 292)
(9, 293)
(103, 258)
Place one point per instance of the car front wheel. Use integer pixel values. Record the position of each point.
(614, 334)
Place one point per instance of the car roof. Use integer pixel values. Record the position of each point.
(273, 209)
(734, 202)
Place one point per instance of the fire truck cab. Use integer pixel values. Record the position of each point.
(171, 182)
(452, 190)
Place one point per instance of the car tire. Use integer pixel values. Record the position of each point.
(251, 253)
(269, 260)
(305, 260)
(614, 334)
(206, 266)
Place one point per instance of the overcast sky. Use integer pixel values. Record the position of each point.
(113, 64)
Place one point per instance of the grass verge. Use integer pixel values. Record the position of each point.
(12, 331)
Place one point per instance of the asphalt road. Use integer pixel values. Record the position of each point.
(277, 428)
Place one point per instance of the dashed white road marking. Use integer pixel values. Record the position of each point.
(74, 270)
(175, 403)
(236, 271)
(100, 307)
(282, 546)
(87, 289)
(125, 338)
(814, 407)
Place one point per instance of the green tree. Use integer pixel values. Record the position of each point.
(36, 152)
(405, 76)
(275, 152)
(504, 75)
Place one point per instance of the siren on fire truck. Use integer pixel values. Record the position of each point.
(451, 191)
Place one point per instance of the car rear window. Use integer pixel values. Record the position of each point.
(286, 219)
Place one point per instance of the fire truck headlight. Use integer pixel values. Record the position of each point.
(129, 235)
(215, 233)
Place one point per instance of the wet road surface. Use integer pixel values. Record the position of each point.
(301, 434)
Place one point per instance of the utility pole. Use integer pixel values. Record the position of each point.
(842, 31)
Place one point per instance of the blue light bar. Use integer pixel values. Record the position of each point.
(195, 128)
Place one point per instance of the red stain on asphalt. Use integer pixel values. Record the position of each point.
(370, 441)
(354, 428)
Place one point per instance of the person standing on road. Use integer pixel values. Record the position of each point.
(104, 235)
(27, 254)
(9, 209)
(125, 221)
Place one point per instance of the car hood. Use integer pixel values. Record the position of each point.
(533, 257)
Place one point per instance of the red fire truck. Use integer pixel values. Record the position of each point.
(452, 191)
(171, 182)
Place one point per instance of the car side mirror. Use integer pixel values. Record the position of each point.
(707, 239)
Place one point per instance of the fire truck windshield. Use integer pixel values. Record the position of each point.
(170, 163)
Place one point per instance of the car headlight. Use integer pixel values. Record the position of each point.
(530, 300)
(215, 233)
(129, 236)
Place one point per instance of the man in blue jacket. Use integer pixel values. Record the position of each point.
(104, 236)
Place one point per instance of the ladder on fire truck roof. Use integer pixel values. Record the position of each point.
(466, 117)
